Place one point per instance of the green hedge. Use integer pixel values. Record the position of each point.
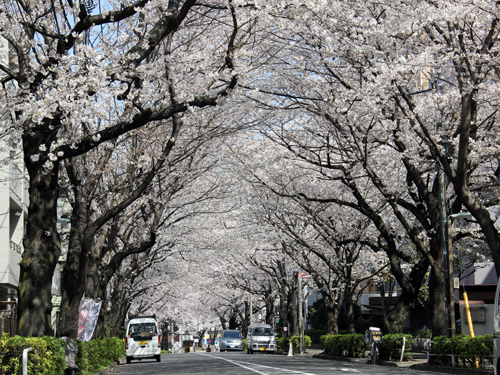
(315, 334)
(392, 345)
(98, 354)
(354, 345)
(47, 356)
(351, 345)
(466, 348)
(284, 342)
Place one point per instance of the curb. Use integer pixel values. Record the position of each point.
(423, 366)
(450, 370)
(112, 367)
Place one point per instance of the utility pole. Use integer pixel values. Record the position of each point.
(251, 310)
(172, 336)
(301, 322)
(445, 234)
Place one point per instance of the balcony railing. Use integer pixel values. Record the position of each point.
(18, 183)
(15, 247)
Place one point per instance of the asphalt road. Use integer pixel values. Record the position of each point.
(237, 363)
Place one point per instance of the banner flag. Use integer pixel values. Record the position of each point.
(83, 313)
(88, 312)
(95, 308)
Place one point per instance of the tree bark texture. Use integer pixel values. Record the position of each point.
(293, 318)
(332, 309)
(42, 248)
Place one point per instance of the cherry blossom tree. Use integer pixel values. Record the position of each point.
(83, 76)
(348, 101)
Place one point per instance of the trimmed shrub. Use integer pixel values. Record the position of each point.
(466, 348)
(47, 356)
(392, 345)
(296, 342)
(424, 333)
(315, 334)
(284, 342)
(97, 354)
(352, 345)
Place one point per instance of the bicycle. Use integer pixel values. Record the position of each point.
(375, 353)
(374, 337)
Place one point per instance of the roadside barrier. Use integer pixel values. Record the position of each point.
(25, 360)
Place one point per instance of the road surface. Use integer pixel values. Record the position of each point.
(238, 363)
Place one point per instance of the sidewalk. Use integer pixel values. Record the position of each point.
(419, 362)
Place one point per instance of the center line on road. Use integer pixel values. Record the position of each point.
(273, 370)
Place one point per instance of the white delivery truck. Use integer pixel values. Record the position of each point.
(142, 339)
(260, 338)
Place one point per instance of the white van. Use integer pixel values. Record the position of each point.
(143, 339)
(260, 338)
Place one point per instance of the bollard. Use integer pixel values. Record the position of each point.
(25, 360)
(403, 350)
(290, 351)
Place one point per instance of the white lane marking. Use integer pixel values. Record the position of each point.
(344, 369)
(265, 368)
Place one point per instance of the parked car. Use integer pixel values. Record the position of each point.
(231, 339)
(260, 338)
(143, 339)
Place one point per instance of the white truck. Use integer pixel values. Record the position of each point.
(142, 339)
(260, 338)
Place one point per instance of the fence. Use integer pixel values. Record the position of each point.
(8, 325)
(454, 359)
(421, 344)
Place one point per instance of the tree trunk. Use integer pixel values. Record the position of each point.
(293, 318)
(246, 321)
(437, 299)
(397, 317)
(269, 310)
(42, 248)
(332, 308)
(460, 179)
(73, 285)
(283, 314)
(114, 317)
(223, 322)
(351, 324)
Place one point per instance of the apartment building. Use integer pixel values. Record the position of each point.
(13, 213)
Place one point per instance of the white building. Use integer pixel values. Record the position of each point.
(13, 214)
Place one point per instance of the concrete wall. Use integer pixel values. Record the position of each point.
(480, 328)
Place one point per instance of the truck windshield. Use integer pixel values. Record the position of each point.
(262, 331)
(142, 330)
